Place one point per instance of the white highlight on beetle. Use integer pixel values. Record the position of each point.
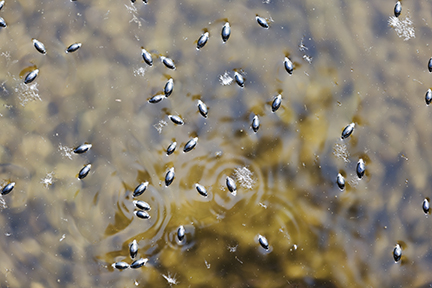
(404, 28)
(159, 126)
(27, 92)
(170, 279)
(244, 176)
(139, 72)
(48, 180)
(341, 151)
(225, 79)
(66, 151)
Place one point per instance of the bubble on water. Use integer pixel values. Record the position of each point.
(66, 151)
(170, 279)
(48, 180)
(159, 126)
(225, 79)
(244, 176)
(341, 151)
(27, 93)
(139, 71)
(404, 28)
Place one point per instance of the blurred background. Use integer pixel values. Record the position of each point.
(353, 62)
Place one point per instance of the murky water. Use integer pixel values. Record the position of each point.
(350, 65)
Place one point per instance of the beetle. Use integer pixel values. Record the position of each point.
(84, 171)
(289, 66)
(203, 40)
(133, 249)
(168, 62)
(263, 242)
(202, 108)
(169, 177)
(142, 214)
(2, 23)
(397, 9)
(138, 263)
(426, 206)
(156, 98)
(169, 86)
(120, 265)
(397, 253)
(360, 169)
(428, 96)
(181, 233)
(277, 101)
(39, 46)
(201, 189)
(82, 148)
(239, 79)
(176, 119)
(171, 148)
(255, 123)
(190, 144)
(8, 188)
(226, 32)
(340, 181)
(348, 130)
(262, 22)
(146, 57)
(232, 187)
(73, 47)
(139, 190)
(141, 205)
(31, 76)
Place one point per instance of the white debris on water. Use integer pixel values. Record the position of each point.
(2, 203)
(225, 79)
(27, 92)
(66, 151)
(170, 279)
(244, 176)
(404, 28)
(341, 151)
(48, 180)
(159, 126)
(139, 71)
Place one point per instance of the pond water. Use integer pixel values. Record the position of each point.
(353, 63)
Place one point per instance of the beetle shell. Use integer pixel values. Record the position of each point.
(139, 190)
(142, 214)
(169, 177)
(181, 233)
(171, 148)
(168, 62)
(138, 263)
(120, 265)
(141, 205)
(72, 48)
(340, 181)
(2, 23)
(201, 190)
(226, 32)
(232, 187)
(203, 40)
(156, 98)
(430, 65)
(202, 108)
(263, 242)
(39, 46)
(347, 131)
(426, 206)
(276, 103)
(289, 66)
(262, 22)
(255, 123)
(176, 119)
(428, 96)
(133, 249)
(82, 148)
(169, 86)
(397, 253)
(31, 76)
(8, 188)
(84, 171)
(147, 57)
(398, 9)
(190, 144)
(239, 79)
(360, 168)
